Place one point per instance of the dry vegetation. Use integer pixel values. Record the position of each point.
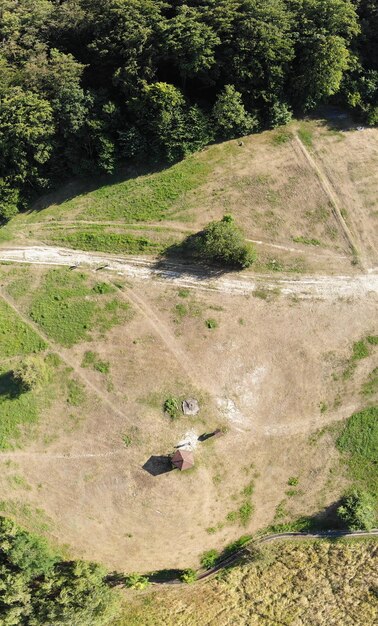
(278, 372)
(317, 584)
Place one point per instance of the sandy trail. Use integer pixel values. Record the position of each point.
(144, 269)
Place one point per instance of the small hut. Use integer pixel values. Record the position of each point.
(183, 459)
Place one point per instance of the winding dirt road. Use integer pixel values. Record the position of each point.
(181, 275)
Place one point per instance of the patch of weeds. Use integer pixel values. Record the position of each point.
(91, 359)
(293, 481)
(275, 266)
(16, 338)
(306, 136)
(126, 440)
(370, 387)
(136, 581)
(266, 294)
(17, 408)
(372, 339)
(171, 407)
(103, 288)
(241, 321)
(34, 519)
(281, 136)
(291, 493)
(209, 559)
(18, 482)
(281, 510)
(323, 407)
(211, 530)
(180, 311)
(75, 393)
(217, 478)
(307, 241)
(236, 545)
(183, 293)
(211, 323)
(248, 490)
(124, 243)
(360, 350)
(245, 513)
(232, 516)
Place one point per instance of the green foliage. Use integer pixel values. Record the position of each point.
(370, 387)
(31, 373)
(372, 339)
(307, 241)
(293, 481)
(136, 581)
(16, 338)
(231, 118)
(38, 588)
(67, 309)
(171, 407)
(76, 393)
(209, 559)
(357, 511)
(189, 576)
(108, 242)
(86, 85)
(360, 350)
(245, 512)
(91, 359)
(359, 441)
(211, 323)
(223, 243)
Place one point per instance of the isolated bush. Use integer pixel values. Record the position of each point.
(223, 242)
(136, 581)
(357, 510)
(209, 558)
(31, 373)
(171, 407)
(189, 576)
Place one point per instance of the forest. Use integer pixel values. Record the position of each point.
(86, 85)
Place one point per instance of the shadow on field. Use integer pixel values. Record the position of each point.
(157, 465)
(10, 387)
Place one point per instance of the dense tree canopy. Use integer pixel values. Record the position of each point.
(86, 84)
(37, 588)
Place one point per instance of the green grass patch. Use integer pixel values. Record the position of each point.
(359, 442)
(281, 136)
(17, 408)
(151, 197)
(109, 242)
(211, 323)
(306, 136)
(307, 241)
(91, 359)
(372, 339)
(67, 308)
(370, 387)
(16, 338)
(75, 393)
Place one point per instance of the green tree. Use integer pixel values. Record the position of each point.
(190, 43)
(357, 510)
(31, 373)
(222, 242)
(231, 118)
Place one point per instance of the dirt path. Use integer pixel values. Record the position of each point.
(334, 200)
(144, 269)
(98, 392)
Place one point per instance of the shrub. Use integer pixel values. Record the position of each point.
(136, 581)
(188, 576)
(171, 407)
(31, 373)
(209, 558)
(223, 242)
(357, 510)
(211, 323)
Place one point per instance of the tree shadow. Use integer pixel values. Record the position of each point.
(157, 465)
(335, 118)
(10, 387)
(182, 259)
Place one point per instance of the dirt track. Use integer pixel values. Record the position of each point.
(141, 268)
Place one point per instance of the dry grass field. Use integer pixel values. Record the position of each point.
(277, 371)
(323, 584)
